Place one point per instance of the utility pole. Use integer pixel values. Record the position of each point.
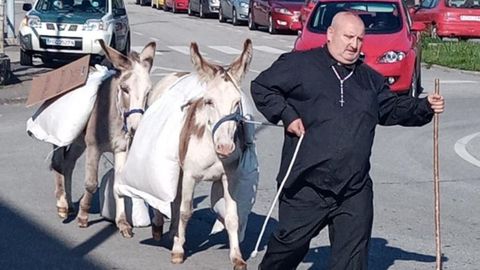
(4, 60)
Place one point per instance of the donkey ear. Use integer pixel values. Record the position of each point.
(239, 67)
(147, 54)
(118, 60)
(201, 65)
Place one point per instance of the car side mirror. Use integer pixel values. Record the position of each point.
(27, 6)
(418, 26)
(120, 12)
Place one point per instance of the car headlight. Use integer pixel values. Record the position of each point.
(392, 57)
(244, 5)
(34, 22)
(94, 25)
(283, 11)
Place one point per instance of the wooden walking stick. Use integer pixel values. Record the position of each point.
(436, 184)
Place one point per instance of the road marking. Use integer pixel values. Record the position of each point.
(461, 149)
(181, 49)
(154, 68)
(457, 81)
(155, 39)
(140, 48)
(268, 49)
(254, 71)
(138, 33)
(226, 49)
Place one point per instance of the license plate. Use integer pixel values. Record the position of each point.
(470, 18)
(60, 42)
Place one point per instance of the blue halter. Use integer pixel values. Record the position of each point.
(127, 114)
(236, 116)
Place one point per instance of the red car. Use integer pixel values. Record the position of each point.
(276, 14)
(390, 45)
(176, 5)
(450, 18)
(306, 9)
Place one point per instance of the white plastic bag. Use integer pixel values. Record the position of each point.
(59, 121)
(136, 210)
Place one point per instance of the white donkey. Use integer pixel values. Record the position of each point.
(120, 103)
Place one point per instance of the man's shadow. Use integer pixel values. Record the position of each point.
(381, 256)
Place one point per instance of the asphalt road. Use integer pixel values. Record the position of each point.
(33, 237)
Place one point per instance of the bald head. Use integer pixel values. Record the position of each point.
(345, 37)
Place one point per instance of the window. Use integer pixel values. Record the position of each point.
(378, 17)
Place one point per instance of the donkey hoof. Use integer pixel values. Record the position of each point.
(82, 222)
(239, 264)
(62, 212)
(127, 233)
(157, 232)
(177, 258)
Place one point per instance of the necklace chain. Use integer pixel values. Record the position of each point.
(342, 101)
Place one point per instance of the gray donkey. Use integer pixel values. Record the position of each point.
(117, 112)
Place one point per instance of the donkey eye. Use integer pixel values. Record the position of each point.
(208, 102)
(124, 88)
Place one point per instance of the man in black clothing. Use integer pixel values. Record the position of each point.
(336, 101)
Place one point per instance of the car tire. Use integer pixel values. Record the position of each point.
(251, 21)
(433, 31)
(126, 50)
(234, 17)
(416, 87)
(271, 27)
(25, 58)
(221, 18)
(200, 12)
(189, 10)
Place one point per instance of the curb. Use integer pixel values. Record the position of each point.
(470, 72)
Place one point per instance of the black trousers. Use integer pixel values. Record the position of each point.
(304, 210)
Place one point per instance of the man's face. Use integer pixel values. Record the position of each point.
(345, 40)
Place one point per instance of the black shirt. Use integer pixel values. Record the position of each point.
(338, 140)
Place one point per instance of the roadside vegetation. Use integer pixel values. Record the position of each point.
(454, 54)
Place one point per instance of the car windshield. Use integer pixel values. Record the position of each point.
(89, 6)
(463, 3)
(378, 17)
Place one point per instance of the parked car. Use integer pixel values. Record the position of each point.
(203, 7)
(276, 14)
(70, 28)
(143, 2)
(307, 9)
(391, 44)
(450, 18)
(158, 4)
(175, 5)
(236, 10)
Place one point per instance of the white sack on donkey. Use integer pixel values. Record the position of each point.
(59, 121)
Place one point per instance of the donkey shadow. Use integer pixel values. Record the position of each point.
(200, 239)
(381, 256)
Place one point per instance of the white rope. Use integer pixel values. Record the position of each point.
(255, 251)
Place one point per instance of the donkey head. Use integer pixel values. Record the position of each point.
(134, 82)
(222, 97)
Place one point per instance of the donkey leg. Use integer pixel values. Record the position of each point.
(188, 186)
(120, 217)
(231, 224)
(157, 225)
(91, 182)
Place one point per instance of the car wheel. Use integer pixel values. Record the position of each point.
(126, 50)
(220, 15)
(189, 10)
(415, 89)
(201, 14)
(251, 23)
(25, 58)
(234, 17)
(433, 31)
(271, 27)
(165, 8)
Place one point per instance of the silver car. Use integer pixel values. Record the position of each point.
(203, 7)
(236, 10)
